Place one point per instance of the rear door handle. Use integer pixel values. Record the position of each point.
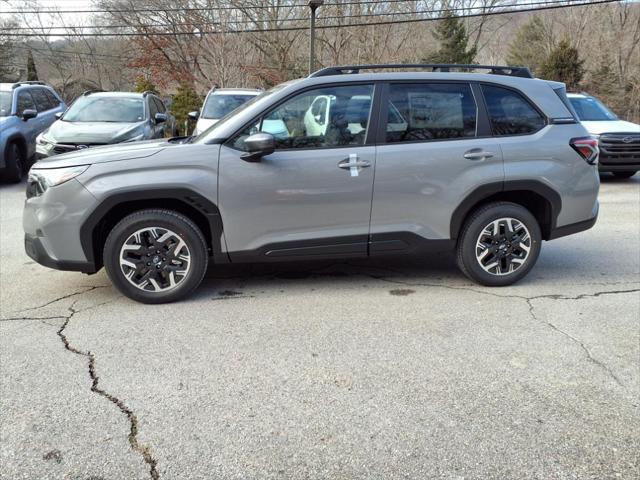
(477, 154)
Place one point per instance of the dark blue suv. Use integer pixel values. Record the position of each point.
(26, 110)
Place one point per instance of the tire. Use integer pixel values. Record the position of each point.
(625, 174)
(165, 239)
(14, 164)
(513, 259)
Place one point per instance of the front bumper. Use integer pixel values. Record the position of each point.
(52, 223)
(35, 249)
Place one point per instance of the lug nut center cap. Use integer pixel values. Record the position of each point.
(156, 259)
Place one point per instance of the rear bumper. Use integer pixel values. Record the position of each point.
(35, 249)
(572, 228)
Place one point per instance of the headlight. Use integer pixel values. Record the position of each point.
(42, 140)
(40, 179)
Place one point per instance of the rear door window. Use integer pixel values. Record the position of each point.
(419, 112)
(510, 113)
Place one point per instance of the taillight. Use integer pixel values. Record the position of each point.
(587, 148)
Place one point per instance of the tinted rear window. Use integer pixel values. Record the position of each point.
(510, 113)
(218, 106)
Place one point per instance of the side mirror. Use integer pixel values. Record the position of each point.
(194, 115)
(258, 145)
(59, 115)
(29, 114)
(160, 117)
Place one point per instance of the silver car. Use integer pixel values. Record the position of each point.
(486, 165)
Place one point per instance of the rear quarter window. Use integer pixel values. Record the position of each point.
(510, 113)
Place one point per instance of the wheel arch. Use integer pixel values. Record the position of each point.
(20, 140)
(540, 199)
(110, 211)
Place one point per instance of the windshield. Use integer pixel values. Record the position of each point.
(218, 105)
(590, 109)
(105, 109)
(5, 104)
(210, 133)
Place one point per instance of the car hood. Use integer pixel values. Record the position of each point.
(4, 121)
(611, 126)
(89, 132)
(109, 153)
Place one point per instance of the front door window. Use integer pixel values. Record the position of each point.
(321, 118)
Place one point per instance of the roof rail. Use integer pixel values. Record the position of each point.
(523, 72)
(28, 82)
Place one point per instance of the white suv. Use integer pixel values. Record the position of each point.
(619, 141)
(218, 103)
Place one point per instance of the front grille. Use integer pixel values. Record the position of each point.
(72, 147)
(619, 148)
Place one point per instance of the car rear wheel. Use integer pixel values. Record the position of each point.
(14, 168)
(625, 174)
(499, 244)
(156, 256)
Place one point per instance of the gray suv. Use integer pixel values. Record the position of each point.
(488, 165)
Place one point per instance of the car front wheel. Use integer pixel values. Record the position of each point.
(14, 164)
(156, 256)
(499, 244)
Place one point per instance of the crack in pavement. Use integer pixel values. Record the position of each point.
(135, 445)
(586, 350)
(529, 301)
(64, 297)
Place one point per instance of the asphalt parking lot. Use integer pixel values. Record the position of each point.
(390, 369)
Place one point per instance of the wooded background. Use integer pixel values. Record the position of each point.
(183, 48)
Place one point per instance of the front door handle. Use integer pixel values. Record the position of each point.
(477, 154)
(353, 164)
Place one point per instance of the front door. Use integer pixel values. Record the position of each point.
(312, 196)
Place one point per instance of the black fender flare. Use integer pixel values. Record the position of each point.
(487, 190)
(190, 198)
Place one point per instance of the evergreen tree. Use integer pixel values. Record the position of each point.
(528, 47)
(185, 100)
(145, 85)
(32, 73)
(564, 65)
(454, 41)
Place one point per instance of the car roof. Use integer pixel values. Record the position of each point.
(577, 95)
(5, 87)
(235, 91)
(117, 94)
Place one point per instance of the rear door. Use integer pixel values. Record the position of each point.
(312, 196)
(433, 150)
